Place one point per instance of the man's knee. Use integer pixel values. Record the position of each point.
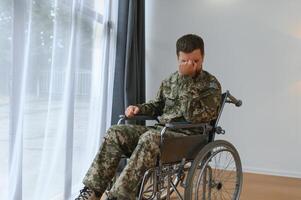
(114, 132)
(116, 127)
(150, 139)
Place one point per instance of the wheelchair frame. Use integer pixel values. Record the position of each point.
(173, 173)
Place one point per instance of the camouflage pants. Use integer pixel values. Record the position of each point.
(140, 143)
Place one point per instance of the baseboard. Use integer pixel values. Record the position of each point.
(272, 172)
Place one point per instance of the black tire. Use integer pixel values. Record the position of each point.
(213, 176)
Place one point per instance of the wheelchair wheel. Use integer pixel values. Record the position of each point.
(216, 173)
(150, 183)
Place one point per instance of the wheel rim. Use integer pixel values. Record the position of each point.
(218, 176)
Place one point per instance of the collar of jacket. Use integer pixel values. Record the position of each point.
(185, 78)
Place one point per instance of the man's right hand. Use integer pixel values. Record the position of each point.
(131, 111)
(188, 68)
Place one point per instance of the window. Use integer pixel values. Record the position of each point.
(5, 66)
(63, 45)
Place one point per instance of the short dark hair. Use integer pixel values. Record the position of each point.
(190, 42)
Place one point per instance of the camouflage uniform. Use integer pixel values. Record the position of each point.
(180, 98)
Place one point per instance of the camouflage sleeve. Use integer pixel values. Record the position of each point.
(205, 107)
(153, 107)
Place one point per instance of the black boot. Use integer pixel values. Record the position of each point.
(88, 194)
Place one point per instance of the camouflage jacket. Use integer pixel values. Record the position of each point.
(183, 98)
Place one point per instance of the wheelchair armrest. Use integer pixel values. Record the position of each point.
(137, 117)
(187, 125)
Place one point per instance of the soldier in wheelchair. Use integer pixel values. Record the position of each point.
(177, 152)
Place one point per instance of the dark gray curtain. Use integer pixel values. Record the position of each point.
(129, 81)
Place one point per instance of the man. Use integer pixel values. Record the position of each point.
(190, 94)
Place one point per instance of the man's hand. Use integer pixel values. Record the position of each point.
(131, 111)
(188, 68)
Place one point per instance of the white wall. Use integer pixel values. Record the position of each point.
(254, 49)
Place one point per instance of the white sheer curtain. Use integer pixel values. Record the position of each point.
(56, 72)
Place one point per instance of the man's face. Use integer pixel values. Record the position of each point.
(190, 64)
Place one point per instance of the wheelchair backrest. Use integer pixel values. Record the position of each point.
(226, 98)
(214, 122)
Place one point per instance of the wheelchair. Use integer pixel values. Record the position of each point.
(203, 168)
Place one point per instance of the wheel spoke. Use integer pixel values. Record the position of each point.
(222, 164)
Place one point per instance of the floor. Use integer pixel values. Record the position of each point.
(267, 187)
